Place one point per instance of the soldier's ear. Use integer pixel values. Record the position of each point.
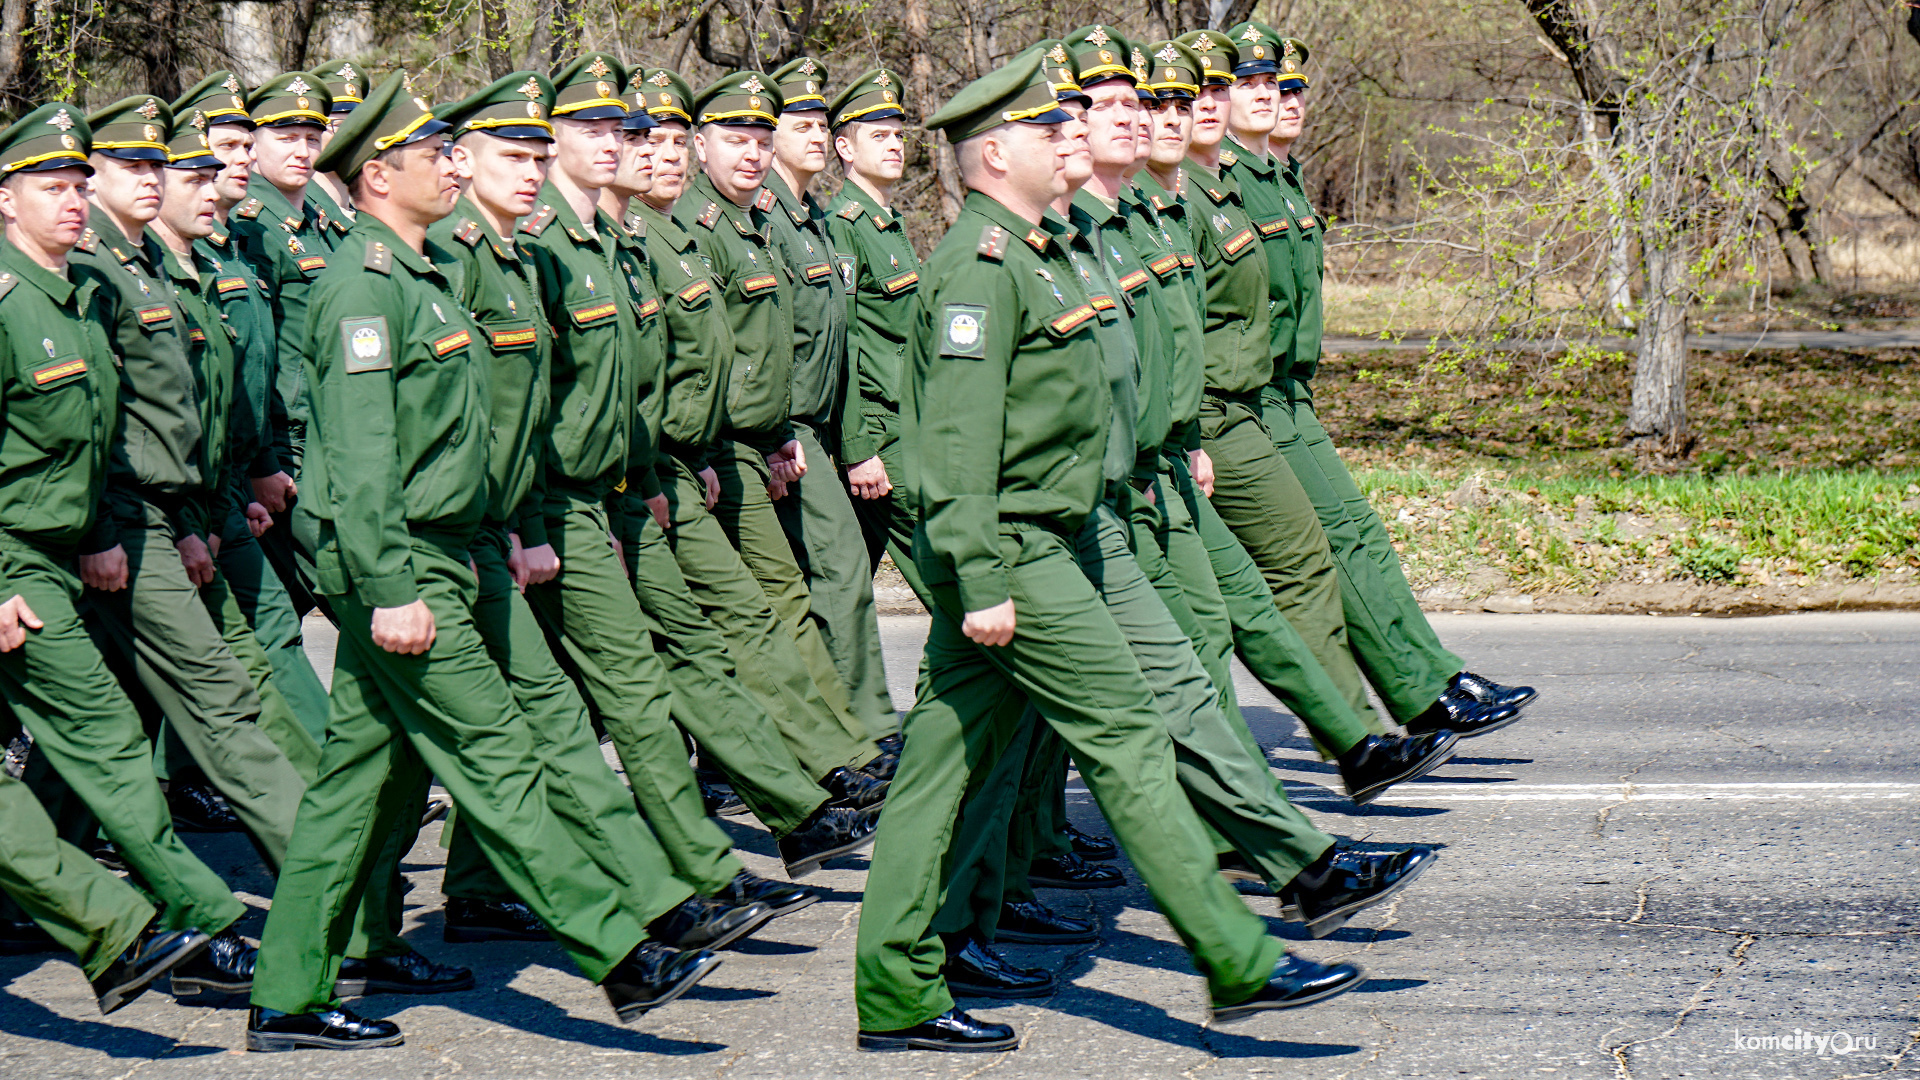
(700, 145)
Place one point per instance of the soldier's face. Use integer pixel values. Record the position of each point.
(233, 145)
(587, 151)
(188, 199)
(735, 158)
(45, 211)
(636, 165)
(874, 149)
(1290, 114)
(1143, 134)
(669, 143)
(503, 175)
(1079, 155)
(1172, 128)
(285, 155)
(127, 189)
(1032, 158)
(1251, 111)
(1210, 116)
(1111, 122)
(800, 142)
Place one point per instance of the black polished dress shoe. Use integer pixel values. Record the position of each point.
(1342, 882)
(197, 808)
(335, 1029)
(225, 966)
(703, 922)
(832, 831)
(1296, 981)
(652, 975)
(1378, 762)
(437, 808)
(24, 938)
(149, 957)
(1488, 692)
(1235, 868)
(491, 920)
(952, 1031)
(882, 767)
(975, 970)
(720, 800)
(408, 973)
(1030, 922)
(892, 744)
(855, 788)
(1463, 714)
(107, 854)
(1088, 846)
(782, 898)
(1072, 871)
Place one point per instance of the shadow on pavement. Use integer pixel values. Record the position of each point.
(29, 1019)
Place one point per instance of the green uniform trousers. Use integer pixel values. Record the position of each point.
(295, 535)
(821, 736)
(1260, 500)
(90, 912)
(735, 733)
(593, 621)
(1072, 661)
(90, 744)
(746, 512)
(888, 523)
(1389, 634)
(180, 643)
(269, 610)
(396, 721)
(1262, 637)
(829, 547)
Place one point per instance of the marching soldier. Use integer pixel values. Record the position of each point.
(400, 483)
(346, 85)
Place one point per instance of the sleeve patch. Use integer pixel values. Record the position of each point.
(312, 264)
(964, 331)
(1070, 320)
(151, 317)
(1135, 280)
(63, 369)
(593, 313)
(230, 285)
(366, 344)
(846, 264)
(1165, 264)
(896, 285)
(818, 272)
(1237, 243)
(694, 291)
(758, 283)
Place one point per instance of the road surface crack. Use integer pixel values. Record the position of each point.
(1627, 792)
(1738, 958)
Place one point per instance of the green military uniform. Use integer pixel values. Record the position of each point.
(875, 255)
(59, 389)
(346, 85)
(818, 513)
(167, 481)
(90, 912)
(607, 357)
(757, 293)
(401, 491)
(1001, 348)
(1390, 635)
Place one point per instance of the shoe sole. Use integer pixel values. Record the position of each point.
(191, 986)
(1015, 937)
(1414, 772)
(734, 810)
(120, 995)
(1101, 856)
(1083, 886)
(1234, 1014)
(1491, 728)
(629, 1013)
(1338, 917)
(886, 1044)
(262, 1042)
(796, 871)
(730, 936)
(365, 987)
(464, 935)
(1239, 876)
(960, 989)
(812, 899)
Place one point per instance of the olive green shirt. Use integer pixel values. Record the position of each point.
(1238, 315)
(821, 380)
(1152, 326)
(211, 347)
(258, 419)
(400, 424)
(736, 243)
(874, 256)
(1260, 191)
(498, 289)
(59, 400)
(650, 388)
(1007, 403)
(332, 221)
(1176, 284)
(1310, 272)
(289, 250)
(697, 336)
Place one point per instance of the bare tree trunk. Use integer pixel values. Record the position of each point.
(566, 31)
(19, 64)
(1619, 296)
(496, 38)
(299, 34)
(1659, 408)
(920, 90)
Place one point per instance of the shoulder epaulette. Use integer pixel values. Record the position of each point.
(7, 282)
(249, 209)
(1228, 157)
(709, 215)
(851, 211)
(993, 242)
(765, 201)
(542, 217)
(379, 259)
(88, 241)
(636, 225)
(468, 232)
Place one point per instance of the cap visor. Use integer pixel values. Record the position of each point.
(341, 108)
(877, 114)
(431, 127)
(197, 161)
(745, 121)
(1254, 67)
(1175, 95)
(514, 131)
(1292, 82)
(1079, 97)
(639, 120)
(1051, 116)
(806, 105)
(133, 153)
(595, 112)
(51, 164)
(295, 121)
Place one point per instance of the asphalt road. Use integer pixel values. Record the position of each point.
(1704, 834)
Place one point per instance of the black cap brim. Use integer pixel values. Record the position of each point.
(198, 161)
(296, 121)
(1254, 67)
(133, 153)
(639, 120)
(595, 112)
(811, 105)
(877, 114)
(51, 165)
(1291, 82)
(430, 128)
(745, 121)
(513, 131)
(1175, 95)
(1051, 116)
(1077, 97)
(341, 108)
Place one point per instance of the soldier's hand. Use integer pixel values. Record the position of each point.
(869, 479)
(542, 563)
(259, 520)
(16, 618)
(619, 549)
(274, 491)
(711, 477)
(196, 558)
(405, 630)
(990, 626)
(789, 463)
(1202, 467)
(106, 570)
(658, 505)
(776, 489)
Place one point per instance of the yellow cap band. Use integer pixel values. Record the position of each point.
(140, 143)
(38, 158)
(575, 106)
(387, 143)
(304, 114)
(1188, 87)
(715, 118)
(506, 121)
(674, 109)
(1028, 114)
(855, 114)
